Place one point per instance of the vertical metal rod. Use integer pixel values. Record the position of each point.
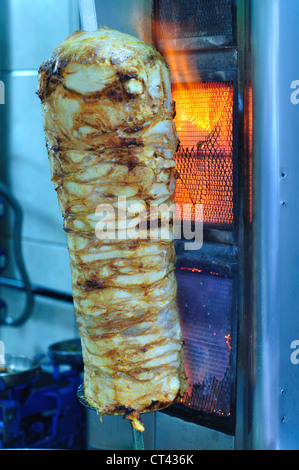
(88, 15)
(137, 439)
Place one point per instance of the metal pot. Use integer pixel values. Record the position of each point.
(17, 370)
(67, 352)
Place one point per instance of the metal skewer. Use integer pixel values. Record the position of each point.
(137, 439)
(88, 15)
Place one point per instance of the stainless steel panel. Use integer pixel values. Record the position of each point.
(114, 432)
(275, 379)
(161, 432)
(177, 434)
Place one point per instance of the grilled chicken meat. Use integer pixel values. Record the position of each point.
(108, 119)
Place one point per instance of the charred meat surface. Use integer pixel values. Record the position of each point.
(108, 119)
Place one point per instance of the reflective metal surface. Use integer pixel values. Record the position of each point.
(269, 406)
(17, 370)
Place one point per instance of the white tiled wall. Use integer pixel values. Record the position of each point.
(29, 31)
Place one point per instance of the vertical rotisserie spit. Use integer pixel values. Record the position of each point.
(108, 119)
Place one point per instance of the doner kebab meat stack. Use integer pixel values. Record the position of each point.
(110, 135)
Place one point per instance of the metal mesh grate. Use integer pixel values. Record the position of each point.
(206, 325)
(204, 161)
(194, 18)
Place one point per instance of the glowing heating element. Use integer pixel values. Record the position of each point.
(204, 161)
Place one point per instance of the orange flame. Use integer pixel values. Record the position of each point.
(204, 112)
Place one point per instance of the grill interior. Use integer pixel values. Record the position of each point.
(206, 326)
(198, 40)
(195, 18)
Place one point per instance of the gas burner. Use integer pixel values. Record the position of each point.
(39, 407)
